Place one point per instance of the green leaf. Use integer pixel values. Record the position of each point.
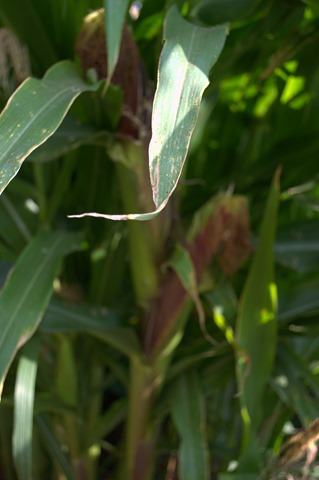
(69, 136)
(28, 289)
(33, 114)
(256, 327)
(182, 264)
(123, 339)
(107, 422)
(63, 317)
(297, 246)
(23, 409)
(182, 78)
(299, 300)
(188, 412)
(53, 447)
(114, 17)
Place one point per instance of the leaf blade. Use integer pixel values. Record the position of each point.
(33, 114)
(25, 295)
(172, 133)
(23, 409)
(114, 20)
(188, 414)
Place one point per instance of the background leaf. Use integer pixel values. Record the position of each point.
(256, 327)
(28, 289)
(188, 414)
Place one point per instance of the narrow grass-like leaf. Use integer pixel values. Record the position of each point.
(114, 17)
(182, 78)
(181, 262)
(301, 299)
(123, 339)
(188, 412)
(33, 114)
(23, 409)
(97, 321)
(53, 447)
(297, 246)
(107, 422)
(63, 317)
(27, 291)
(256, 327)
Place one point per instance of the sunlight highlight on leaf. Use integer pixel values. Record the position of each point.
(182, 78)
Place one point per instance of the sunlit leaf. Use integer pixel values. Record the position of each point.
(23, 409)
(182, 78)
(33, 114)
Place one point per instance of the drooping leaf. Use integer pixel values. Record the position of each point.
(28, 289)
(188, 412)
(182, 78)
(114, 19)
(33, 114)
(23, 409)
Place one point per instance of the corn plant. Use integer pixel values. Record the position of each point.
(158, 311)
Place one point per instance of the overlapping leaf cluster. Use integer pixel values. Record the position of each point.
(183, 346)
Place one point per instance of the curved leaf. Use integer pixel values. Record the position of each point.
(182, 78)
(33, 114)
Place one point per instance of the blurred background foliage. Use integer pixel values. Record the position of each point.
(260, 112)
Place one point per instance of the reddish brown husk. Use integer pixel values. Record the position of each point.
(129, 73)
(226, 236)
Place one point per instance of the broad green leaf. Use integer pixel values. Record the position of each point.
(114, 17)
(256, 327)
(28, 289)
(188, 412)
(182, 78)
(23, 409)
(33, 114)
